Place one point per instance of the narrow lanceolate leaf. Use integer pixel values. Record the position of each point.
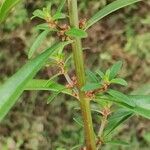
(14, 86)
(117, 142)
(119, 81)
(142, 103)
(61, 6)
(91, 86)
(109, 9)
(79, 121)
(43, 26)
(115, 69)
(100, 73)
(77, 33)
(53, 96)
(116, 119)
(76, 147)
(91, 76)
(6, 7)
(58, 16)
(121, 98)
(37, 43)
(142, 90)
(46, 85)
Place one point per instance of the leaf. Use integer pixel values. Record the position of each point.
(14, 86)
(122, 98)
(142, 103)
(117, 142)
(116, 119)
(101, 102)
(37, 43)
(46, 85)
(79, 121)
(107, 74)
(115, 69)
(91, 86)
(100, 73)
(59, 16)
(38, 13)
(108, 9)
(6, 7)
(53, 96)
(143, 90)
(61, 6)
(68, 59)
(76, 147)
(75, 32)
(119, 81)
(43, 26)
(91, 76)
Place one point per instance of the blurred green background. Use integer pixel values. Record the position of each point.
(34, 125)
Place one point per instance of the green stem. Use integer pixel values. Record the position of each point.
(80, 73)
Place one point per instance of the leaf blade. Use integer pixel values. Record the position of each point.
(115, 69)
(37, 43)
(6, 7)
(142, 103)
(92, 77)
(91, 86)
(77, 33)
(119, 81)
(109, 9)
(116, 119)
(61, 6)
(14, 86)
(120, 97)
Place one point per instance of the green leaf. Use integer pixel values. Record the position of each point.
(115, 69)
(68, 59)
(79, 121)
(107, 75)
(6, 7)
(75, 32)
(14, 86)
(46, 85)
(100, 73)
(76, 147)
(91, 76)
(53, 96)
(101, 102)
(37, 43)
(38, 13)
(143, 90)
(58, 16)
(117, 142)
(122, 98)
(91, 86)
(43, 26)
(116, 119)
(119, 81)
(142, 103)
(109, 9)
(61, 6)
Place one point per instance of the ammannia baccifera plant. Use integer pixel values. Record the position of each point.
(86, 86)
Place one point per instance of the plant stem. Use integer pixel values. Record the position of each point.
(104, 120)
(100, 132)
(80, 73)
